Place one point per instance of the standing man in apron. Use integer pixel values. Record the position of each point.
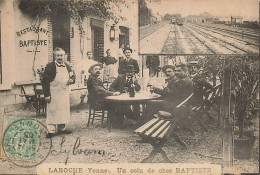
(55, 83)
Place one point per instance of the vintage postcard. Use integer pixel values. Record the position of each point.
(129, 87)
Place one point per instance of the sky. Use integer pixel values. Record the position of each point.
(248, 9)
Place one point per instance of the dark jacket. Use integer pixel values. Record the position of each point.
(49, 75)
(124, 63)
(176, 91)
(96, 90)
(120, 83)
(108, 60)
(201, 85)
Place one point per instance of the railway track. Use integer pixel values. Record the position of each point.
(249, 32)
(249, 38)
(201, 41)
(171, 43)
(231, 43)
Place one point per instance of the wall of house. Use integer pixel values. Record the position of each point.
(29, 36)
(27, 47)
(7, 44)
(8, 91)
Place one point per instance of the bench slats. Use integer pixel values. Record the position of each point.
(164, 132)
(147, 126)
(155, 127)
(161, 129)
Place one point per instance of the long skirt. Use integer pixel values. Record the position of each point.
(110, 71)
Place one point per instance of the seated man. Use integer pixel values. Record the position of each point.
(179, 87)
(81, 69)
(122, 84)
(96, 90)
(201, 85)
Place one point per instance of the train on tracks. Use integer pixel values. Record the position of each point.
(173, 21)
(178, 21)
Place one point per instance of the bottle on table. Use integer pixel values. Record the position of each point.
(131, 89)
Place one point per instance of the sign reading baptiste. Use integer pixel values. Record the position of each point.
(27, 43)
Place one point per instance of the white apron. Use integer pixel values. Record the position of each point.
(58, 110)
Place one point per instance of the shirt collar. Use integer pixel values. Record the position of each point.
(60, 64)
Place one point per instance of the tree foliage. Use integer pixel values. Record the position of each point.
(144, 13)
(77, 9)
(244, 83)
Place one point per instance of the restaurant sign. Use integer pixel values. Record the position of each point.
(32, 42)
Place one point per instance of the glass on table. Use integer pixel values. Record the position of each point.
(125, 90)
(150, 89)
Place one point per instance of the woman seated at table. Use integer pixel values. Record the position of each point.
(121, 84)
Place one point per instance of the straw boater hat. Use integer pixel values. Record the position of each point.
(91, 67)
(166, 67)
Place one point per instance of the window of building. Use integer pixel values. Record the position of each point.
(123, 36)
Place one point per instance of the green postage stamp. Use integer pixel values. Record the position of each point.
(24, 142)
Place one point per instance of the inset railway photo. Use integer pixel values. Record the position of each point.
(199, 27)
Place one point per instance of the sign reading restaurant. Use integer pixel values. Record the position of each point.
(32, 29)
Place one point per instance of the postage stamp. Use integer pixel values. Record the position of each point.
(24, 143)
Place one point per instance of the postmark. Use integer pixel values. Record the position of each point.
(24, 143)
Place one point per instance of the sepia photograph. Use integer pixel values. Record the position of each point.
(129, 87)
(198, 27)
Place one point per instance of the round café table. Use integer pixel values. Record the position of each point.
(140, 98)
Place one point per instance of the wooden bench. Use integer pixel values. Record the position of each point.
(209, 100)
(158, 131)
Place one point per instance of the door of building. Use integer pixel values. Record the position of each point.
(98, 43)
(61, 32)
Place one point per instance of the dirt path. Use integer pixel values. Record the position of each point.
(121, 146)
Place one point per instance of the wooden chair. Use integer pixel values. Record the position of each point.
(27, 91)
(108, 82)
(40, 100)
(158, 131)
(96, 112)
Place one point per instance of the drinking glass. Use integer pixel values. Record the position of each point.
(125, 90)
